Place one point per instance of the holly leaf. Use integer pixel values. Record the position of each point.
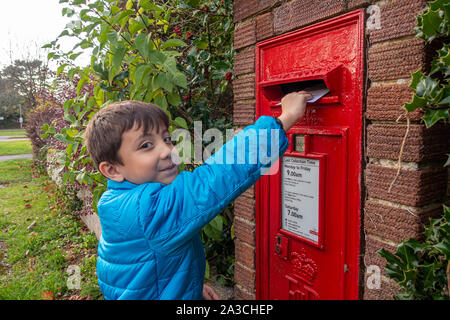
(432, 116)
(444, 248)
(416, 78)
(417, 102)
(448, 161)
(431, 21)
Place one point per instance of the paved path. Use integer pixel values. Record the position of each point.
(16, 156)
(12, 138)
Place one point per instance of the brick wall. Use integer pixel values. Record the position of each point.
(393, 53)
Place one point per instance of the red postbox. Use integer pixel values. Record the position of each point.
(308, 209)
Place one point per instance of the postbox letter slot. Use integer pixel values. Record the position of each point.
(309, 80)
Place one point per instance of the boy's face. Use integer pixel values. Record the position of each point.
(146, 157)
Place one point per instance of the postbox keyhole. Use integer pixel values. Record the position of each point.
(281, 246)
(278, 247)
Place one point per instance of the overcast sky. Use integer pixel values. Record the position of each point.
(26, 25)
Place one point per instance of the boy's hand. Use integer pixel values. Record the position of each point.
(293, 107)
(209, 293)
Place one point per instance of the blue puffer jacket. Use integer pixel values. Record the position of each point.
(150, 246)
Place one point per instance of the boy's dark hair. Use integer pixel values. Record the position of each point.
(103, 135)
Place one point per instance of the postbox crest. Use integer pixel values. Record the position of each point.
(305, 267)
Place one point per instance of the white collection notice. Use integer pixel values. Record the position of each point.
(300, 197)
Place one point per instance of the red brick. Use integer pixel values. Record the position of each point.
(384, 142)
(240, 294)
(388, 289)
(397, 19)
(263, 4)
(396, 224)
(264, 26)
(244, 88)
(371, 256)
(245, 34)
(244, 113)
(281, 18)
(394, 60)
(245, 231)
(353, 4)
(299, 13)
(385, 102)
(244, 208)
(249, 193)
(244, 277)
(412, 188)
(245, 254)
(243, 9)
(244, 61)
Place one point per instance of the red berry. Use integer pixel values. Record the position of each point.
(228, 76)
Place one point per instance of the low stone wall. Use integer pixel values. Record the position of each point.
(92, 220)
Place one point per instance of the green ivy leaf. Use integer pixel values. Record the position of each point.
(173, 43)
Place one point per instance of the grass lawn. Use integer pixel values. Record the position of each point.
(15, 171)
(8, 148)
(13, 132)
(40, 240)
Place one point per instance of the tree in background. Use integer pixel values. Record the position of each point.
(28, 79)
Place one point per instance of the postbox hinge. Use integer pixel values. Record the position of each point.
(346, 269)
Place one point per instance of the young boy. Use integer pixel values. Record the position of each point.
(151, 215)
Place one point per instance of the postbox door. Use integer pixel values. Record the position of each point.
(306, 252)
(308, 208)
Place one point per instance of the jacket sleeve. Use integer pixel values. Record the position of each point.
(178, 211)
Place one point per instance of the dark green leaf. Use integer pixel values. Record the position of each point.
(416, 103)
(432, 116)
